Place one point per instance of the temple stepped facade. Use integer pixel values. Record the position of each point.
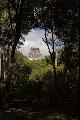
(34, 54)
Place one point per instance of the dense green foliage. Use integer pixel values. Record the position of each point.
(32, 83)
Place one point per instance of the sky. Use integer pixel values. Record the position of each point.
(34, 39)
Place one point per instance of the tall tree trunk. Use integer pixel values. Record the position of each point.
(17, 37)
(8, 55)
(2, 66)
(0, 63)
(65, 55)
(18, 28)
(53, 56)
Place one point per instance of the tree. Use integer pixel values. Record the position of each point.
(63, 16)
(20, 19)
(67, 22)
(50, 44)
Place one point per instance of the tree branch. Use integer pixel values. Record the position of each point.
(47, 42)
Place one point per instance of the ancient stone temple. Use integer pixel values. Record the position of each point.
(34, 54)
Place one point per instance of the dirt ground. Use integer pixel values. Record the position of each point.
(19, 114)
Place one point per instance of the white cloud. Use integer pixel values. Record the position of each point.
(34, 39)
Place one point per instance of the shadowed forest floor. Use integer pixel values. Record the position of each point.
(20, 114)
